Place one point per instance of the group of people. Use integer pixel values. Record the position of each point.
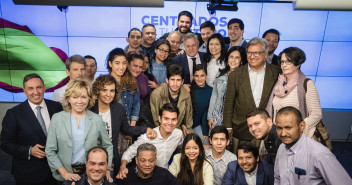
(188, 109)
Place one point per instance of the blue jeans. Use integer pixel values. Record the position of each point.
(198, 130)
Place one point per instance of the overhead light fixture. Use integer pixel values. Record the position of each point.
(225, 5)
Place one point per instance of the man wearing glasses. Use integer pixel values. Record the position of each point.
(249, 87)
(190, 58)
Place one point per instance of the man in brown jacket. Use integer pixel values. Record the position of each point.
(174, 93)
(248, 87)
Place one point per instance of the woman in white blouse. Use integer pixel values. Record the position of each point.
(215, 57)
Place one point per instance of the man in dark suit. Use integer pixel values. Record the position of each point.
(190, 58)
(248, 87)
(23, 134)
(272, 36)
(248, 169)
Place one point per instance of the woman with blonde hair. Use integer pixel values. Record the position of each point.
(73, 132)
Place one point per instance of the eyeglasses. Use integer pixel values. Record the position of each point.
(287, 62)
(163, 51)
(256, 54)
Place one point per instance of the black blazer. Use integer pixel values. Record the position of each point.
(21, 130)
(119, 124)
(275, 61)
(182, 61)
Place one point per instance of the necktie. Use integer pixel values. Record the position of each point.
(40, 119)
(194, 62)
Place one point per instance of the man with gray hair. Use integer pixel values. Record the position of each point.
(248, 87)
(76, 70)
(190, 58)
(146, 171)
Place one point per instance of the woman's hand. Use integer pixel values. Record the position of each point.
(211, 123)
(153, 85)
(108, 177)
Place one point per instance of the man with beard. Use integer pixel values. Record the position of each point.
(235, 29)
(248, 169)
(184, 24)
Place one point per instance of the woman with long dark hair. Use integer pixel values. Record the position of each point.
(113, 114)
(215, 57)
(190, 166)
(236, 56)
(200, 95)
(160, 60)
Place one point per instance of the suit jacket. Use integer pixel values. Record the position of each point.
(20, 131)
(119, 124)
(84, 181)
(239, 99)
(275, 61)
(59, 143)
(234, 175)
(182, 61)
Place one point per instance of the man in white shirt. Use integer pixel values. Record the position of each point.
(217, 154)
(167, 140)
(24, 130)
(76, 70)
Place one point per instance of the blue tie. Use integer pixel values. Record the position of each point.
(40, 119)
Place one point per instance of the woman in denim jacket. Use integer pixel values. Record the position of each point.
(127, 88)
(235, 57)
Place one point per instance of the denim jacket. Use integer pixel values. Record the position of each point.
(130, 101)
(218, 95)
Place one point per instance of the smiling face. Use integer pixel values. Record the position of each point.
(96, 166)
(77, 71)
(175, 42)
(234, 60)
(247, 161)
(206, 33)
(184, 24)
(255, 60)
(34, 90)
(288, 68)
(146, 162)
(259, 127)
(235, 32)
(162, 52)
(219, 142)
(175, 82)
(79, 103)
(200, 77)
(107, 94)
(168, 122)
(149, 35)
(136, 67)
(191, 47)
(273, 41)
(146, 64)
(288, 130)
(215, 47)
(135, 39)
(118, 66)
(192, 150)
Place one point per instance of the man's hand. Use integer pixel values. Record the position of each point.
(108, 177)
(211, 123)
(37, 152)
(184, 130)
(230, 132)
(122, 173)
(180, 52)
(151, 134)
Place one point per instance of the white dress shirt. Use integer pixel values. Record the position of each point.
(44, 111)
(164, 148)
(257, 82)
(59, 94)
(190, 64)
